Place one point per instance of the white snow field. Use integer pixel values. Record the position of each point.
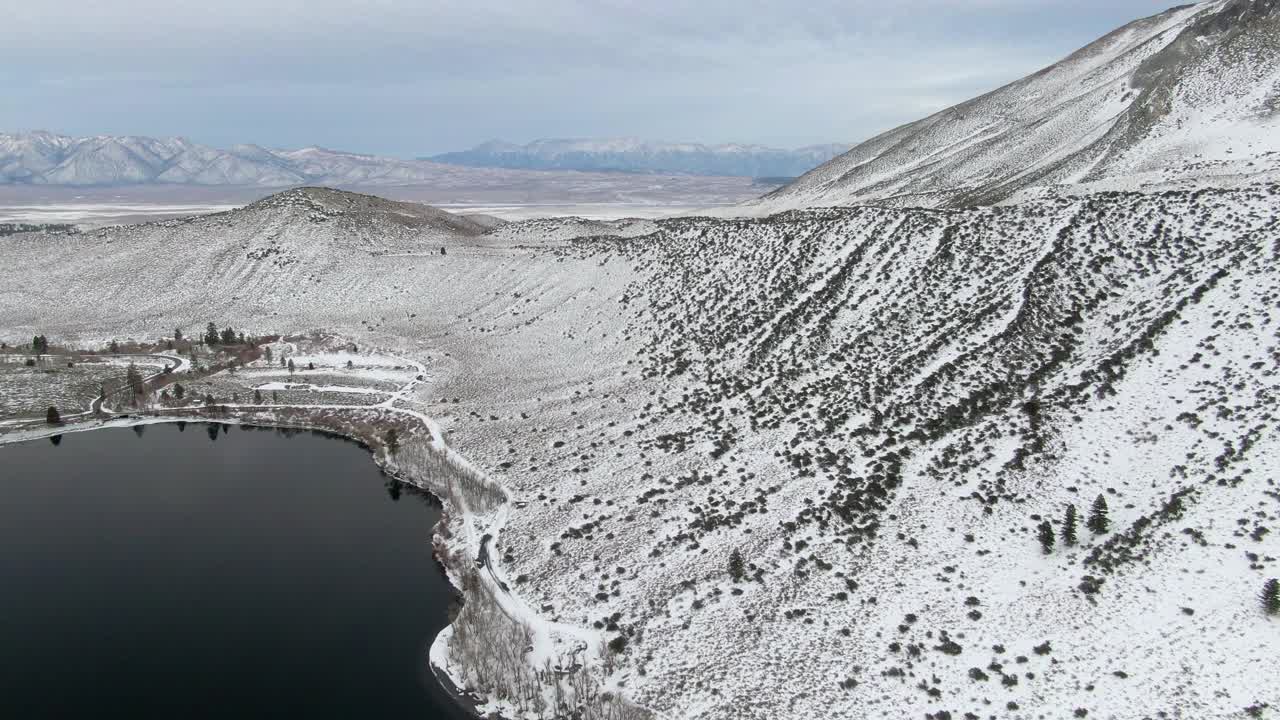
(885, 410)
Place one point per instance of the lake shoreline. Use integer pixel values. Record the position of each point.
(443, 592)
(465, 701)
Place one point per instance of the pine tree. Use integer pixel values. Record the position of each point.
(737, 569)
(267, 354)
(1046, 537)
(179, 391)
(1271, 597)
(291, 367)
(1099, 523)
(133, 378)
(52, 417)
(210, 334)
(1069, 522)
(257, 397)
(228, 336)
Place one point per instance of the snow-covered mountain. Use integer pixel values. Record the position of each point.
(885, 412)
(1187, 98)
(877, 407)
(634, 155)
(42, 158)
(48, 159)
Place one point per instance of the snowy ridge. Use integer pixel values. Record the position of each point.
(1184, 99)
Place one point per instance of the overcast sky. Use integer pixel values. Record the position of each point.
(412, 77)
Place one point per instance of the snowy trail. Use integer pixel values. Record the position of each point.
(482, 531)
(481, 535)
(307, 387)
(180, 364)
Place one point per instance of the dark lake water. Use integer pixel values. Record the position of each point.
(171, 575)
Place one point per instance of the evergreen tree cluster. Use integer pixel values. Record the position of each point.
(40, 344)
(225, 336)
(1098, 522)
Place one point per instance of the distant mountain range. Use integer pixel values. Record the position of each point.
(633, 155)
(1187, 98)
(44, 158)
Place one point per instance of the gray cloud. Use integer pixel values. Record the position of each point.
(404, 77)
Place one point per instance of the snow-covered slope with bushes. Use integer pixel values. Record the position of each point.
(1188, 98)
(877, 408)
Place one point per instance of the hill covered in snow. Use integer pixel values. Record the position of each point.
(633, 155)
(878, 408)
(1188, 98)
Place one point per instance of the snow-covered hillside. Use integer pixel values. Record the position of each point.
(634, 155)
(1188, 98)
(878, 408)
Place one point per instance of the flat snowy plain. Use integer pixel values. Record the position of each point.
(593, 196)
